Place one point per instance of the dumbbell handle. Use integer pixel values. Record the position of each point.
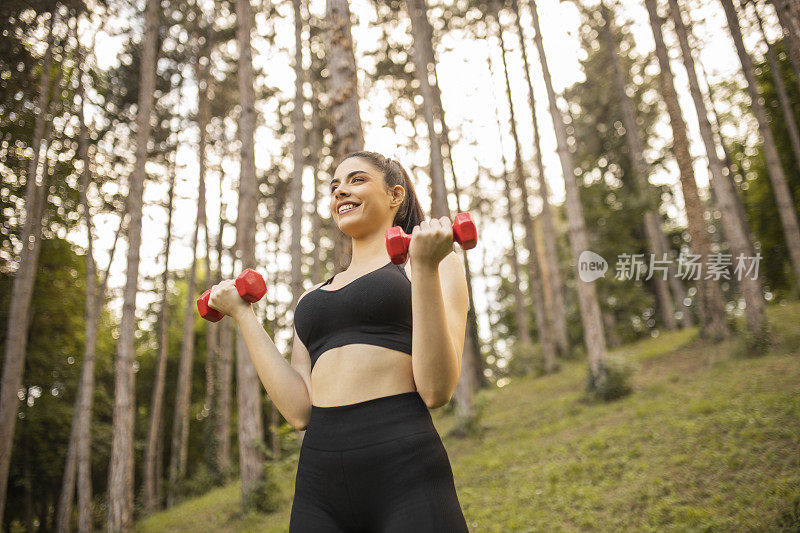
(250, 285)
(464, 233)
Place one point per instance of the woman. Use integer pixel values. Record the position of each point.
(371, 459)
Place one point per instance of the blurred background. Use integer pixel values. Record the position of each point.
(149, 149)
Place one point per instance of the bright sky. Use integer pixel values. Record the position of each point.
(468, 93)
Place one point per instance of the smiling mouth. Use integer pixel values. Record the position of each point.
(348, 210)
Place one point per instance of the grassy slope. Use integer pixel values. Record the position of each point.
(707, 441)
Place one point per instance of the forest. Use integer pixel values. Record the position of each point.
(632, 167)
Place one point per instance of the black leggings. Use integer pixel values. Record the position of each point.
(374, 466)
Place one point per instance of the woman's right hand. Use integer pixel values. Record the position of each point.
(225, 298)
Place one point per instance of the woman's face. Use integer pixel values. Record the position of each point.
(358, 182)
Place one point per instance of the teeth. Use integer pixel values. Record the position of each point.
(347, 207)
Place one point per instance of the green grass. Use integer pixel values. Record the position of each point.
(708, 441)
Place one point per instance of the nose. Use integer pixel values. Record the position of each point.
(340, 192)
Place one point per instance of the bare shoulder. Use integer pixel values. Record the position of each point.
(309, 290)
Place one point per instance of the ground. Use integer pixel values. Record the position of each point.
(709, 440)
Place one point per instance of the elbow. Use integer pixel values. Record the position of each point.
(434, 401)
(299, 425)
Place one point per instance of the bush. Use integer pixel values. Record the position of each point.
(749, 344)
(201, 482)
(470, 427)
(577, 352)
(266, 496)
(613, 382)
(526, 359)
(287, 440)
(733, 323)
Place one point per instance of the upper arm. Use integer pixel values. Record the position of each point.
(300, 359)
(453, 278)
(456, 298)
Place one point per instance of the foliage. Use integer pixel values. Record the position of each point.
(52, 368)
(613, 380)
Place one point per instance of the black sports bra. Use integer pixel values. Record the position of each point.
(374, 308)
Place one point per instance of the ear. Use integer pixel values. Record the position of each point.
(398, 195)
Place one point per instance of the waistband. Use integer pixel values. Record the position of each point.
(345, 427)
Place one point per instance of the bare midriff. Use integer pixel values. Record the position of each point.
(359, 372)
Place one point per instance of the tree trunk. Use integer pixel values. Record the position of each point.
(26, 474)
(348, 135)
(250, 425)
(298, 147)
(120, 473)
(275, 417)
(535, 282)
(183, 389)
(641, 173)
(783, 196)
(520, 308)
(211, 328)
(725, 193)
(593, 331)
(224, 366)
(712, 306)
(678, 290)
(425, 72)
(420, 28)
(296, 192)
(152, 498)
(554, 286)
(791, 35)
(79, 448)
(742, 214)
(471, 333)
(22, 288)
(315, 150)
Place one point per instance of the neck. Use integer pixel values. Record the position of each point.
(369, 249)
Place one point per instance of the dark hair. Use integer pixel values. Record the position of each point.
(409, 214)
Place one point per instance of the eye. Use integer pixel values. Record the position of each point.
(354, 179)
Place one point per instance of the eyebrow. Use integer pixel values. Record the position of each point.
(353, 173)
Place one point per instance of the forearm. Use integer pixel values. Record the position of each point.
(434, 359)
(283, 384)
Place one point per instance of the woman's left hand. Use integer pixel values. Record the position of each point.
(431, 241)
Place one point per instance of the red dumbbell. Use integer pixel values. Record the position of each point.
(250, 286)
(464, 233)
